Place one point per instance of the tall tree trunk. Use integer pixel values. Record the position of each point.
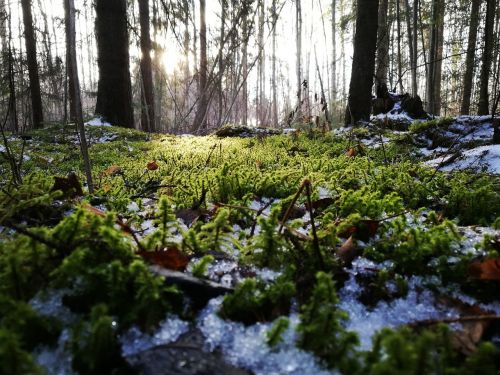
(69, 8)
(363, 62)
(30, 40)
(273, 79)
(400, 55)
(8, 63)
(70, 70)
(411, 47)
(491, 6)
(334, 51)
(383, 38)
(114, 92)
(298, 43)
(200, 120)
(244, 62)
(220, 108)
(435, 58)
(469, 60)
(148, 103)
(261, 92)
(415, 48)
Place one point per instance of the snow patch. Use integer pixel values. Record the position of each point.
(98, 121)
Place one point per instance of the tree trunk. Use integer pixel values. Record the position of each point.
(411, 49)
(30, 40)
(244, 62)
(261, 92)
(200, 120)
(114, 92)
(469, 60)
(400, 55)
(435, 58)
(298, 43)
(334, 51)
(382, 61)
(363, 63)
(69, 8)
(487, 57)
(148, 103)
(273, 79)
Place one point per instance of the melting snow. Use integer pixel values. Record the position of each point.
(98, 121)
(135, 341)
(482, 158)
(247, 347)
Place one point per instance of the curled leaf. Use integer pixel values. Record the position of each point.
(152, 166)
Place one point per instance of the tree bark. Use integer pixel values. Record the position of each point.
(200, 120)
(298, 43)
(30, 40)
(334, 51)
(114, 92)
(469, 60)
(487, 57)
(148, 103)
(273, 79)
(382, 61)
(69, 8)
(363, 63)
(435, 58)
(411, 48)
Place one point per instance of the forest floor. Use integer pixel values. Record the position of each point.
(364, 250)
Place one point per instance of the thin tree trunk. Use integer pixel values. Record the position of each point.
(298, 43)
(69, 8)
(469, 60)
(411, 46)
(200, 120)
(363, 63)
(273, 79)
(114, 93)
(400, 56)
(435, 58)
(334, 51)
(148, 102)
(382, 61)
(30, 40)
(244, 63)
(487, 57)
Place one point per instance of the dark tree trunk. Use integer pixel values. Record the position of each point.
(363, 63)
(69, 69)
(487, 57)
(469, 61)
(382, 44)
(29, 36)
(69, 12)
(435, 58)
(114, 92)
(200, 120)
(148, 104)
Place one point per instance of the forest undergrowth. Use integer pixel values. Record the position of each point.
(344, 247)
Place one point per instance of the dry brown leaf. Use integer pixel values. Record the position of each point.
(352, 152)
(321, 204)
(152, 166)
(113, 170)
(485, 270)
(171, 258)
(371, 227)
(348, 251)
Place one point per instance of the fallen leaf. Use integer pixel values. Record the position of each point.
(171, 258)
(365, 228)
(348, 251)
(485, 270)
(321, 204)
(352, 152)
(113, 170)
(189, 215)
(152, 166)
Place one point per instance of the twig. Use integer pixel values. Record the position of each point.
(459, 319)
(315, 236)
(292, 203)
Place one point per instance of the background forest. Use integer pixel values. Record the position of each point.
(209, 63)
